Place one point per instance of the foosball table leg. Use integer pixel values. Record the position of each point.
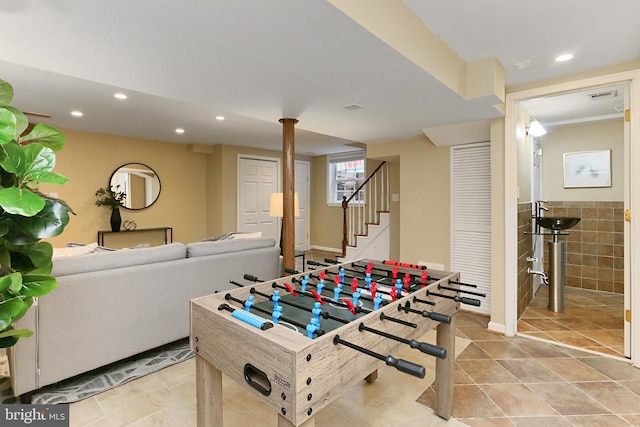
(209, 392)
(446, 335)
(372, 377)
(283, 422)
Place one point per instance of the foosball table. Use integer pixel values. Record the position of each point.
(279, 338)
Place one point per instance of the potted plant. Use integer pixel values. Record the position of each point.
(27, 159)
(113, 198)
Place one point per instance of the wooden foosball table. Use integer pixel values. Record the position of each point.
(284, 339)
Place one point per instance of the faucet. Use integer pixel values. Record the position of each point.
(542, 274)
(539, 208)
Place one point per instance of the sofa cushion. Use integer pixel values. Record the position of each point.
(224, 246)
(76, 264)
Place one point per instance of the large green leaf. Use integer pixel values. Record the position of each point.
(6, 93)
(49, 222)
(11, 282)
(19, 201)
(28, 302)
(48, 178)
(37, 285)
(12, 159)
(21, 121)
(19, 333)
(8, 310)
(46, 135)
(7, 125)
(31, 258)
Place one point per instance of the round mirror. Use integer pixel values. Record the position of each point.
(139, 182)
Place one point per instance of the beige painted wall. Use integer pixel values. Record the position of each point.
(602, 135)
(222, 182)
(89, 159)
(424, 181)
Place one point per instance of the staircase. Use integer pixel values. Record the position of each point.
(365, 225)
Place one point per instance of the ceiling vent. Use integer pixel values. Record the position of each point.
(353, 107)
(602, 95)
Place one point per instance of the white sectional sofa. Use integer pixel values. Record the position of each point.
(112, 305)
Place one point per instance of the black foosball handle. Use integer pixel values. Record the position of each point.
(439, 317)
(251, 278)
(406, 367)
(470, 301)
(430, 349)
(400, 364)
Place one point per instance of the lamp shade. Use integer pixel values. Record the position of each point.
(276, 205)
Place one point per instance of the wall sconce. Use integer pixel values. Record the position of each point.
(535, 128)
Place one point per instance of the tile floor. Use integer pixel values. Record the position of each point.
(499, 382)
(591, 319)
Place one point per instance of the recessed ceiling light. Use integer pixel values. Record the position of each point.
(179, 131)
(564, 57)
(120, 95)
(77, 113)
(220, 118)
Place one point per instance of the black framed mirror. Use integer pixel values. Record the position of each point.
(140, 183)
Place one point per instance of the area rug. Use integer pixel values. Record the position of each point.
(102, 379)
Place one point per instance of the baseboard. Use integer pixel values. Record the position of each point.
(327, 249)
(497, 327)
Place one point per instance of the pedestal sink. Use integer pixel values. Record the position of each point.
(557, 222)
(556, 258)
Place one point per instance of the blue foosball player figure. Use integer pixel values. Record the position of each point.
(376, 301)
(341, 273)
(399, 286)
(336, 291)
(275, 298)
(249, 303)
(316, 310)
(304, 283)
(356, 297)
(320, 286)
(367, 280)
(312, 327)
(277, 314)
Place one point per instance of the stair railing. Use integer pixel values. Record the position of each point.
(371, 198)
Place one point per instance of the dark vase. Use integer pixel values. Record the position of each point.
(116, 220)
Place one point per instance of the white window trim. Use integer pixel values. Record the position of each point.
(342, 157)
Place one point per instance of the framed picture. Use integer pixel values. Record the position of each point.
(587, 169)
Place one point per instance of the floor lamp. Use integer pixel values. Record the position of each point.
(276, 210)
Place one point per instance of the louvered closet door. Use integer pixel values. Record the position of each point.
(471, 219)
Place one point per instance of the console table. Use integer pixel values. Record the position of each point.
(168, 233)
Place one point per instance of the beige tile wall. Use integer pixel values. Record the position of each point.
(595, 247)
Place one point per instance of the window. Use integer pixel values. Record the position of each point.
(346, 172)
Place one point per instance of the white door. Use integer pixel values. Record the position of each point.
(257, 179)
(471, 219)
(302, 221)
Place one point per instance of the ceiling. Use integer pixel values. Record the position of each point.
(182, 63)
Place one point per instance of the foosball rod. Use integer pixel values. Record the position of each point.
(228, 297)
(400, 364)
(478, 294)
(438, 317)
(464, 300)
(320, 298)
(455, 282)
(424, 347)
(245, 316)
(349, 285)
(294, 280)
(324, 314)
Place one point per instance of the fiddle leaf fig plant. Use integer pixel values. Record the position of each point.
(26, 214)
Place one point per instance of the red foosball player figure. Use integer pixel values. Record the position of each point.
(373, 289)
(423, 279)
(393, 293)
(406, 281)
(354, 284)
